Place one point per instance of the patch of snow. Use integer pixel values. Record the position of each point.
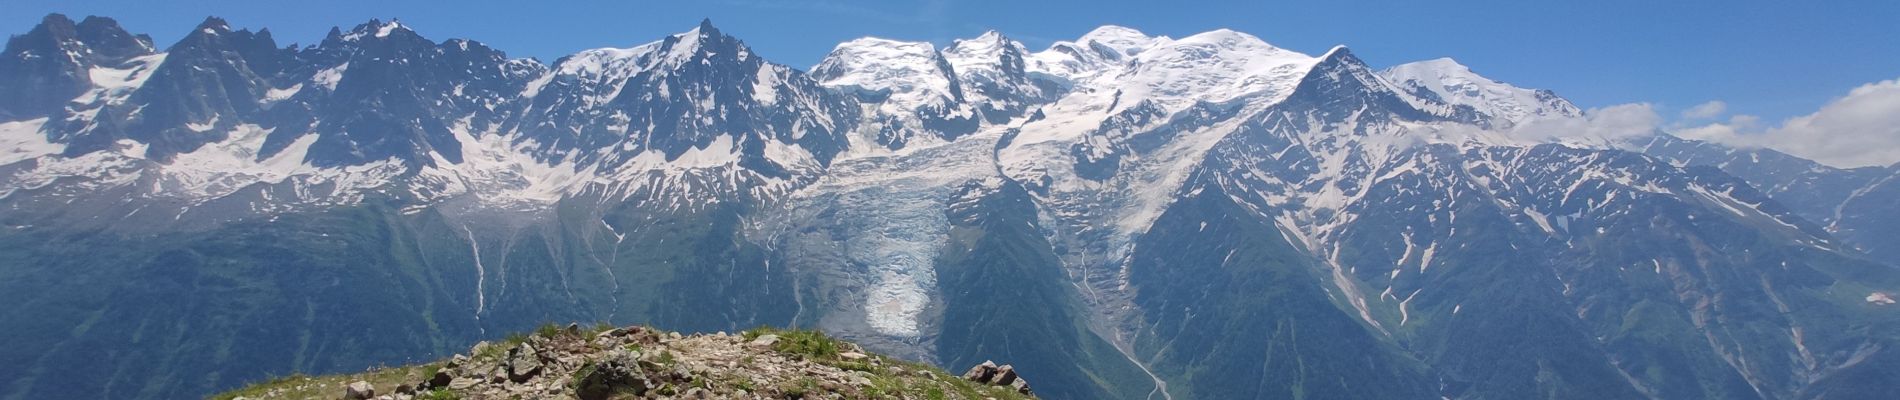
(1879, 298)
(22, 140)
(276, 95)
(328, 78)
(1541, 220)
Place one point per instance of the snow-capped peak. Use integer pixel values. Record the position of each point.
(907, 74)
(610, 65)
(1454, 83)
(1217, 65)
(1094, 52)
(992, 52)
(1122, 41)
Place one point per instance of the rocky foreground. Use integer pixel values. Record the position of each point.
(642, 363)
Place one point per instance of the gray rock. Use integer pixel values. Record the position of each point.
(358, 390)
(619, 372)
(764, 341)
(981, 373)
(440, 379)
(989, 374)
(498, 375)
(523, 363)
(1004, 376)
(1021, 386)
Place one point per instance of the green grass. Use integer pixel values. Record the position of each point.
(299, 386)
(799, 388)
(809, 344)
(549, 329)
(438, 394)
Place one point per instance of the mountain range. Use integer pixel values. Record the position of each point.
(1118, 216)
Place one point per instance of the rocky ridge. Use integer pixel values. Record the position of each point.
(636, 362)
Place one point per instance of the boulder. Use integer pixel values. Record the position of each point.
(523, 363)
(439, 380)
(462, 384)
(358, 390)
(988, 373)
(617, 373)
(499, 374)
(764, 342)
(1004, 376)
(981, 373)
(1021, 386)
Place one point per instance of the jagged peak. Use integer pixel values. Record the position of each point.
(697, 41)
(672, 50)
(1340, 56)
(105, 34)
(1339, 63)
(375, 28)
(216, 32)
(94, 20)
(54, 20)
(213, 25)
(1339, 52)
(53, 27)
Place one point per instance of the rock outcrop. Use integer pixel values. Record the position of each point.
(989, 374)
(640, 363)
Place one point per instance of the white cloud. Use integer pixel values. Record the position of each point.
(1704, 111)
(1605, 127)
(1601, 125)
(1857, 130)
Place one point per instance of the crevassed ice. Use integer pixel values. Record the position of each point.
(902, 228)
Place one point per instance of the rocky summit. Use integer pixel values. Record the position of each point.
(606, 362)
(1119, 215)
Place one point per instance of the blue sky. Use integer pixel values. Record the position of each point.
(1773, 59)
